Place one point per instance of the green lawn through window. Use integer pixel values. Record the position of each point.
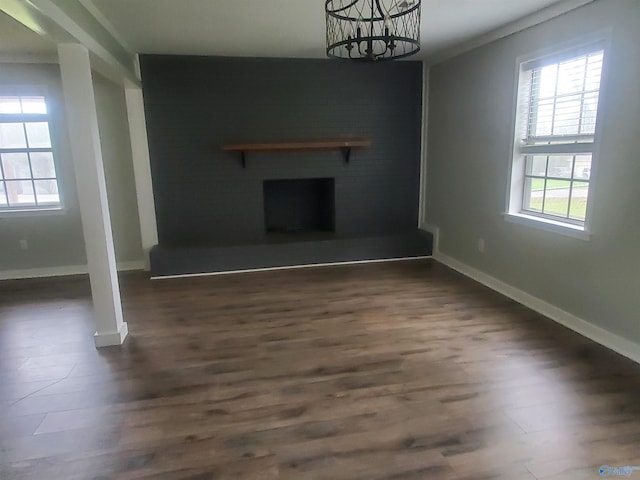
(558, 205)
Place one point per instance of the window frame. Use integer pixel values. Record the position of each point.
(49, 118)
(514, 211)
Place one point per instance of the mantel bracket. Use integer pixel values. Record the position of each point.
(243, 158)
(346, 154)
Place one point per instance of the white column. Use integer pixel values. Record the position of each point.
(141, 170)
(422, 205)
(84, 137)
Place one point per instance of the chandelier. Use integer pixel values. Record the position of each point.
(372, 30)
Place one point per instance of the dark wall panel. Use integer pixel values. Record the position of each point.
(189, 260)
(194, 105)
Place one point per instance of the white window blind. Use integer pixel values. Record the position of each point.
(562, 99)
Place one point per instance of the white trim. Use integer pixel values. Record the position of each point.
(97, 14)
(548, 225)
(513, 200)
(599, 335)
(113, 67)
(592, 41)
(113, 338)
(291, 267)
(606, 36)
(64, 270)
(32, 212)
(529, 21)
(43, 272)
(130, 265)
(557, 148)
(422, 214)
(136, 69)
(141, 169)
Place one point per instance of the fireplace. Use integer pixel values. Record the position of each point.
(300, 206)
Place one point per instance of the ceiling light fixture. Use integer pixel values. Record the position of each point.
(370, 30)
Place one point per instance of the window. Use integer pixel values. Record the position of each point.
(554, 136)
(27, 170)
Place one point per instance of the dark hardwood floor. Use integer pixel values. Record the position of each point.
(387, 371)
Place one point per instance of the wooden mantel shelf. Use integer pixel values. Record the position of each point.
(343, 144)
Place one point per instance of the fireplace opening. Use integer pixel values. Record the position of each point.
(299, 206)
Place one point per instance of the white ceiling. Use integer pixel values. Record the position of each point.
(263, 28)
(286, 28)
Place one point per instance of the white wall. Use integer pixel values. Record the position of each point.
(56, 242)
(471, 103)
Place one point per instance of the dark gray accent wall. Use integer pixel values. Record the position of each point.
(194, 105)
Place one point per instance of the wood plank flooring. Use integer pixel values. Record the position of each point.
(386, 371)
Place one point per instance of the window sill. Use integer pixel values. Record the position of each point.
(548, 225)
(26, 212)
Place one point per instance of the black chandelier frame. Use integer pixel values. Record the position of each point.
(361, 38)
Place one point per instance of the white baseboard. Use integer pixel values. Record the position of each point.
(130, 265)
(65, 270)
(599, 335)
(434, 230)
(111, 339)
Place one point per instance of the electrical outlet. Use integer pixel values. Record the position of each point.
(24, 245)
(481, 245)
